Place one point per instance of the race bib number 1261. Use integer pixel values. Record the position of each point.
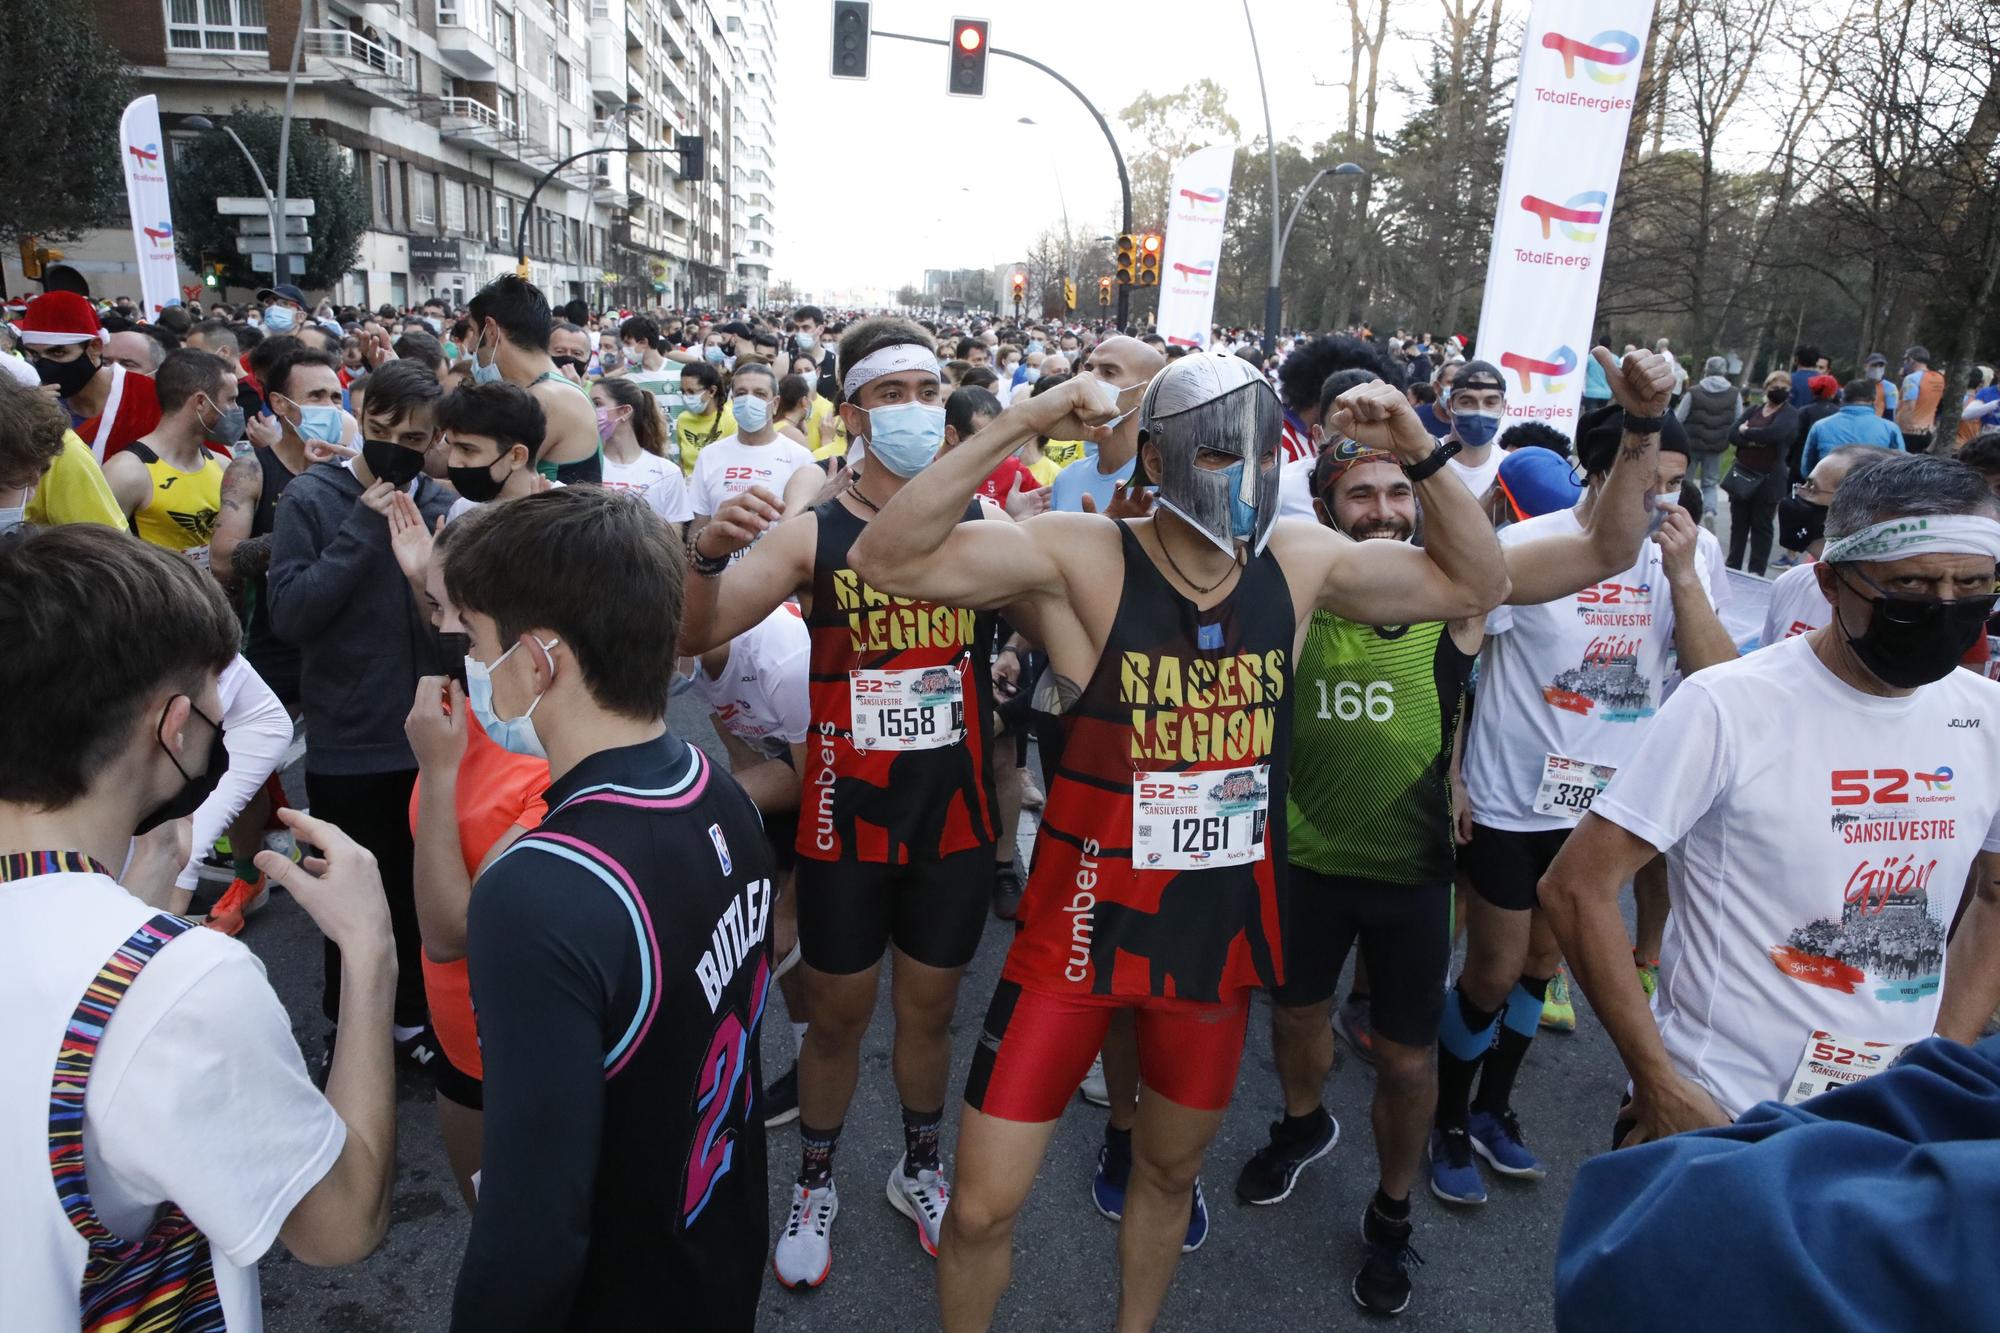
(1192, 821)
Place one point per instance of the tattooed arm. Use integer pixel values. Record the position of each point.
(233, 554)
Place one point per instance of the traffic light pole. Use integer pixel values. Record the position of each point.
(528, 209)
(1124, 177)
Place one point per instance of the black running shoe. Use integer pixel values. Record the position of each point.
(781, 1098)
(1007, 890)
(1383, 1284)
(1269, 1176)
(418, 1049)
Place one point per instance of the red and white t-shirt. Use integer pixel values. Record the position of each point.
(1797, 605)
(1818, 840)
(658, 480)
(1012, 472)
(730, 467)
(760, 695)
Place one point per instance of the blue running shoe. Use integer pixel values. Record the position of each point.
(1197, 1231)
(1107, 1186)
(1454, 1176)
(1497, 1138)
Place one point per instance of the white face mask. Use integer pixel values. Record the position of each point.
(1661, 507)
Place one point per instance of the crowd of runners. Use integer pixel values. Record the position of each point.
(1299, 655)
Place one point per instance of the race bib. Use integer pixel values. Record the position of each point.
(1835, 1062)
(922, 708)
(1569, 786)
(1192, 821)
(197, 556)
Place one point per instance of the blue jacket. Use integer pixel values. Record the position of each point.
(1856, 423)
(1874, 1207)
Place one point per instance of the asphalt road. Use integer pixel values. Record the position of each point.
(1281, 1267)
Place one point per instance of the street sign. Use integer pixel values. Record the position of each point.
(262, 263)
(261, 245)
(232, 206)
(261, 226)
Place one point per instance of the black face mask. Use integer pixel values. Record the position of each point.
(69, 377)
(1777, 397)
(454, 647)
(1800, 523)
(195, 789)
(475, 483)
(577, 363)
(391, 462)
(1913, 641)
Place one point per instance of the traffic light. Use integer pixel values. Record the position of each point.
(34, 256)
(968, 58)
(850, 39)
(213, 278)
(1019, 287)
(1128, 259)
(693, 151)
(1069, 294)
(1149, 258)
(1104, 291)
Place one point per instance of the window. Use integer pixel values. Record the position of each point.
(385, 199)
(565, 140)
(426, 195)
(503, 219)
(454, 206)
(510, 112)
(216, 25)
(503, 31)
(562, 81)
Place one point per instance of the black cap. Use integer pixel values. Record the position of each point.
(284, 291)
(1598, 434)
(1481, 375)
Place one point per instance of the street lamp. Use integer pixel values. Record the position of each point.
(528, 209)
(203, 123)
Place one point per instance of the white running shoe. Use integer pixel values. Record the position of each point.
(921, 1198)
(805, 1254)
(1093, 1088)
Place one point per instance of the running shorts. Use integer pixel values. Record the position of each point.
(782, 832)
(1405, 936)
(1504, 866)
(1037, 1047)
(932, 910)
(448, 993)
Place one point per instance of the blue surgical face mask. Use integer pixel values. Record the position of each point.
(1242, 517)
(1032, 374)
(714, 355)
(280, 319)
(320, 423)
(485, 372)
(905, 437)
(1475, 428)
(808, 341)
(516, 735)
(752, 414)
(1034, 346)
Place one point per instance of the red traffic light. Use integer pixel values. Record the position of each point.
(970, 38)
(1152, 242)
(968, 58)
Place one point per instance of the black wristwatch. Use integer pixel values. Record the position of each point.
(1445, 451)
(1644, 425)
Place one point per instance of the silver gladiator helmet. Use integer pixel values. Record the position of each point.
(1222, 404)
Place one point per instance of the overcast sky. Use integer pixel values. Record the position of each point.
(879, 180)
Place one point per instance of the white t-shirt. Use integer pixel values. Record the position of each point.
(730, 467)
(199, 1042)
(1797, 604)
(658, 480)
(760, 697)
(1479, 478)
(1818, 840)
(1295, 498)
(1577, 678)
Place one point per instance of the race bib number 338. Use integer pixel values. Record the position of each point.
(1193, 821)
(922, 708)
(1568, 787)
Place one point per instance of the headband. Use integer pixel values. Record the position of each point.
(1927, 534)
(1337, 458)
(887, 361)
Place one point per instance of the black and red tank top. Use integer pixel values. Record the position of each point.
(898, 766)
(1156, 869)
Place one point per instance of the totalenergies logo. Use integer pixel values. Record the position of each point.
(1579, 217)
(1606, 57)
(1205, 200)
(160, 233)
(1558, 363)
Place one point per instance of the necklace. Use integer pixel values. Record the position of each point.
(1199, 591)
(854, 489)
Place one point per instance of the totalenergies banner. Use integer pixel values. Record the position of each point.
(1197, 205)
(143, 149)
(1580, 64)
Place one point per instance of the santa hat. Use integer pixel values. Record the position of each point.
(60, 317)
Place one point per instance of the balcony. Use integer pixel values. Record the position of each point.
(465, 38)
(607, 66)
(368, 69)
(472, 124)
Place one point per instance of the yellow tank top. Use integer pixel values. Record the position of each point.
(181, 515)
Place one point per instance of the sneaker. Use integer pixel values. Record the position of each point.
(1032, 797)
(1649, 976)
(1454, 1176)
(418, 1050)
(237, 902)
(1268, 1177)
(781, 1099)
(1197, 1231)
(1007, 890)
(1107, 1186)
(1354, 1020)
(922, 1198)
(1093, 1088)
(1558, 1011)
(1383, 1284)
(1497, 1138)
(804, 1255)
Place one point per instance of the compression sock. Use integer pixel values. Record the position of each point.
(1299, 1128)
(246, 870)
(920, 1140)
(1464, 1037)
(816, 1155)
(1517, 1029)
(1396, 1210)
(1117, 1153)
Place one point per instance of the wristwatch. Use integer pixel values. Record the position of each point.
(1645, 425)
(1445, 451)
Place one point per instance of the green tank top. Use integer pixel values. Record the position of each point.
(1371, 751)
(543, 466)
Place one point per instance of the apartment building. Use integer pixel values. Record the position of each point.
(751, 27)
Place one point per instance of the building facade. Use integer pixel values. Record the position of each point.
(455, 115)
(751, 28)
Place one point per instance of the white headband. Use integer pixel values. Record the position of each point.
(886, 361)
(1927, 534)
